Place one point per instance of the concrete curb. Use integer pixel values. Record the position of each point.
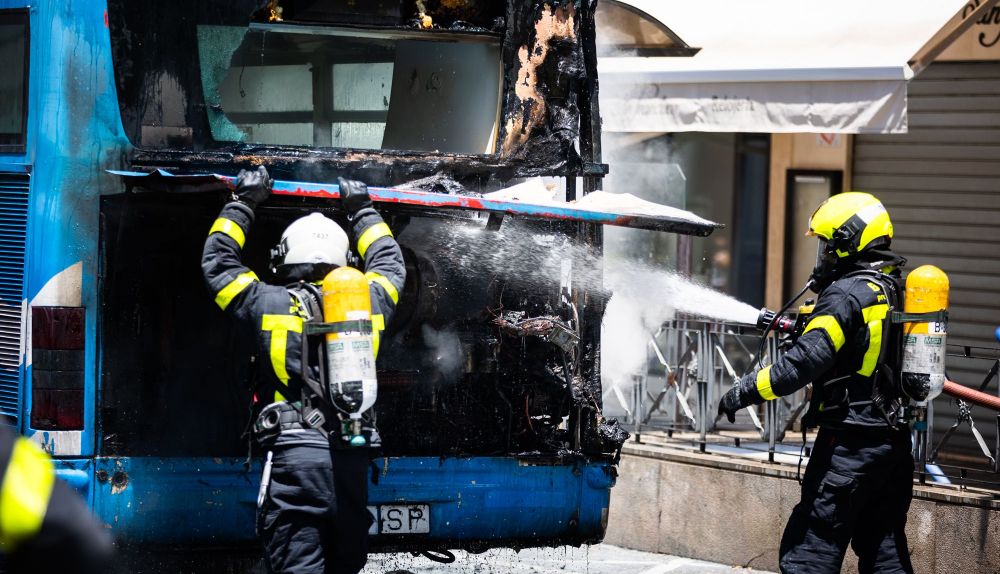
(726, 509)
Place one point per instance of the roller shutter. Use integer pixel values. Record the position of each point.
(941, 184)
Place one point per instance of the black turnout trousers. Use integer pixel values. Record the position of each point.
(314, 518)
(856, 490)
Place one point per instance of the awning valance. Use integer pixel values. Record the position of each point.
(774, 66)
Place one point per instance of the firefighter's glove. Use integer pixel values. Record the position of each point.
(354, 197)
(743, 394)
(253, 187)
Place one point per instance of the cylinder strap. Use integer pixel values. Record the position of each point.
(363, 326)
(930, 317)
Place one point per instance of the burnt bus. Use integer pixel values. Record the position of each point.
(489, 401)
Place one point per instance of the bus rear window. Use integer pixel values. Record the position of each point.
(322, 87)
(13, 83)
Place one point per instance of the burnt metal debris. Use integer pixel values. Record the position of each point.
(458, 377)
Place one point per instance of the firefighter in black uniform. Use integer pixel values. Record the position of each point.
(44, 525)
(859, 481)
(313, 513)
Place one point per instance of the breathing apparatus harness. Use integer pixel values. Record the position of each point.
(320, 407)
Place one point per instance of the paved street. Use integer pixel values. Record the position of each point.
(601, 559)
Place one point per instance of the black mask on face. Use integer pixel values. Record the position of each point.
(826, 265)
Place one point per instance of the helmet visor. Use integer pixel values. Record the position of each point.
(826, 262)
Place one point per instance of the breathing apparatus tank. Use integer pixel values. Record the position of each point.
(924, 334)
(350, 355)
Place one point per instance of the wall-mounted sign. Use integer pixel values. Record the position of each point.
(828, 140)
(981, 41)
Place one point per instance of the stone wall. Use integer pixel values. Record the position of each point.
(733, 511)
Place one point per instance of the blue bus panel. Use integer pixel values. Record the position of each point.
(487, 501)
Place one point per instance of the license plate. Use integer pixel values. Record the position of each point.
(400, 519)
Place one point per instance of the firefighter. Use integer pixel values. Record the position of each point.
(859, 481)
(44, 525)
(312, 514)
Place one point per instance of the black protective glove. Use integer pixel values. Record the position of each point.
(353, 196)
(743, 394)
(253, 187)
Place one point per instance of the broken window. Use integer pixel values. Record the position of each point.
(332, 87)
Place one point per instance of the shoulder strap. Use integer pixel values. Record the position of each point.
(318, 411)
(886, 390)
(309, 298)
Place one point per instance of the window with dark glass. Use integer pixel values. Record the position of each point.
(14, 82)
(322, 86)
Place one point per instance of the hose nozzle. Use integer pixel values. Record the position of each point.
(768, 319)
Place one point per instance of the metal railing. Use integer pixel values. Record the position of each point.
(699, 360)
(933, 450)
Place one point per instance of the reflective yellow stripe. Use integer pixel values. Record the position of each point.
(234, 288)
(764, 384)
(371, 235)
(279, 326)
(874, 316)
(382, 280)
(378, 325)
(829, 324)
(230, 228)
(24, 496)
(281, 323)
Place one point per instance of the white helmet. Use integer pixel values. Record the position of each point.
(314, 238)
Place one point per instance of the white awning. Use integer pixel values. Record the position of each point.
(774, 66)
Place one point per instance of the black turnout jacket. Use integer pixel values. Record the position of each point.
(273, 313)
(841, 351)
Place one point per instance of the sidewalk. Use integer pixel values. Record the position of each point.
(600, 559)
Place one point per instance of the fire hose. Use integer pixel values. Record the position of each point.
(971, 395)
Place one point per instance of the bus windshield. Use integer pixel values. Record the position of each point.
(327, 87)
(215, 76)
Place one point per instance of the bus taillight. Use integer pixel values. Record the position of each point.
(57, 341)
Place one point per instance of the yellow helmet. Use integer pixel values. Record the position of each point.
(850, 223)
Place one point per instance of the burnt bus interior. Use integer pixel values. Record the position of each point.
(494, 350)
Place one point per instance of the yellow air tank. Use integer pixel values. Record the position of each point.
(349, 353)
(924, 341)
